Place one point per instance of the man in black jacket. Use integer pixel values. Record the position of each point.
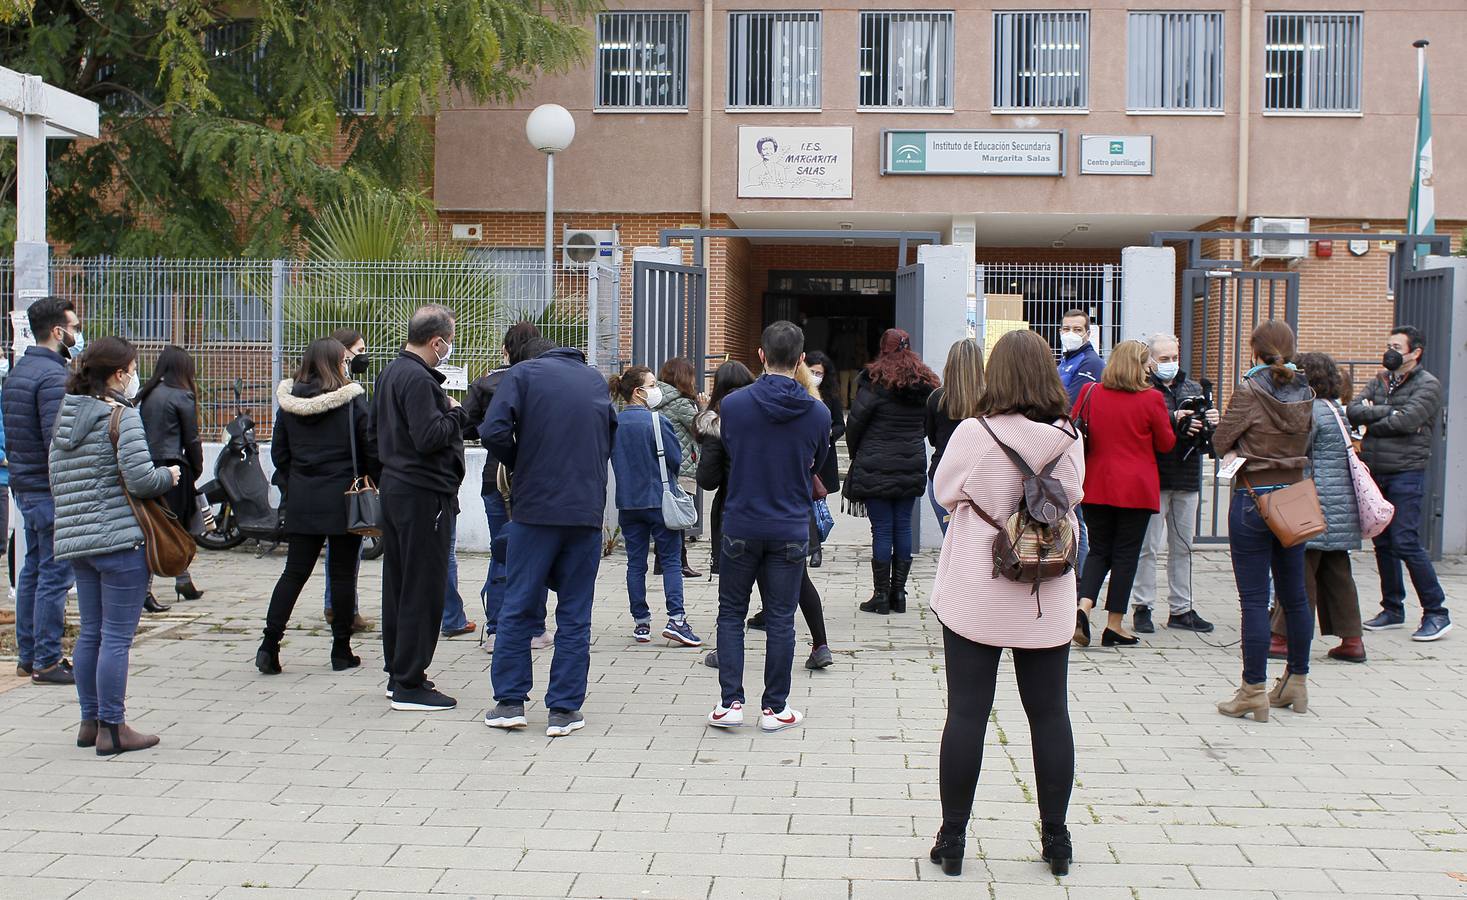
(1181, 493)
(1400, 410)
(551, 422)
(31, 399)
(419, 432)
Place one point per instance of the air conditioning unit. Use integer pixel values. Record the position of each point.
(581, 247)
(1281, 247)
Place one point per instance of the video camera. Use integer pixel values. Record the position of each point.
(1198, 406)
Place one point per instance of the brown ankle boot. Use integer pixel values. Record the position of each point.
(1250, 698)
(1349, 650)
(113, 739)
(86, 735)
(1290, 690)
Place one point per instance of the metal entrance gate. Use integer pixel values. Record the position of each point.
(669, 314)
(1220, 308)
(909, 303)
(1424, 300)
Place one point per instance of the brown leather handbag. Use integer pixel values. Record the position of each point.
(169, 546)
(1292, 513)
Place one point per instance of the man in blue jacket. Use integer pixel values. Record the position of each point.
(1081, 364)
(32, 396)
(551, 423)
(776, 436)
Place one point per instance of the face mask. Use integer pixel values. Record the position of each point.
(360, 363)
(1392, 360)
(1071, 341)
(654, 397)
(817, 379)
(71, 344)
(130, 389)
(447, 353)
(1167, 371)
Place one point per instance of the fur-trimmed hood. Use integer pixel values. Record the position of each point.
(707, 424)
(306, 399)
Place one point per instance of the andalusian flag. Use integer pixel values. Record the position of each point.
(1421, 217)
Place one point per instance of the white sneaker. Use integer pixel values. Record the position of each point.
(542, 641)
(487, 644)
(788, 717)
(727, 716)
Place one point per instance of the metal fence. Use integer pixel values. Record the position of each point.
(1045, 290)
(246, 322)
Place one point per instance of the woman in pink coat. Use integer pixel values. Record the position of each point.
(1025, 406)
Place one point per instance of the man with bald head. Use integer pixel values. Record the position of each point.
(420, 443)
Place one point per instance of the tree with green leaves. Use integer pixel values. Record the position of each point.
(224, 130)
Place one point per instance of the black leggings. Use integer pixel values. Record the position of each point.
(810, 607)
(972, 674)
(300, 560)
(1117, 534)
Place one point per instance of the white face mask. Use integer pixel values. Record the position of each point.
(1071, 341)
(1167, 371)
(447, 353)
(130, 389)
(817, 379)
(654, 397)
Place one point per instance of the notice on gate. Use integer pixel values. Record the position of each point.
(796, 163)
(991, 152)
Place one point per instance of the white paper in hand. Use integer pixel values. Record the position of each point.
(1230, 466)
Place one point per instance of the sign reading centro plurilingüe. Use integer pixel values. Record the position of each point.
(795, 162)
(973, 152)
(1115, 154)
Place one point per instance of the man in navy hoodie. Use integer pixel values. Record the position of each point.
(551, 423)
(32, 396)
(776, 436)
(1081, 364)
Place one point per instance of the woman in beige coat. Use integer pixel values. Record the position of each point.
(1025, 407)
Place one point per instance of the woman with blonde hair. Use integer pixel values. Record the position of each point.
(1126, 425)
(949, 405)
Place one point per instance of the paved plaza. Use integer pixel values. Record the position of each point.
(306, 785)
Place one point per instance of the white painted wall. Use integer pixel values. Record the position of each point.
(1149, 291)
(946, 273)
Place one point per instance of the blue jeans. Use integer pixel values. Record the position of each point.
(492, 593)
(453, 602)
(1257, 553)
(109, 591)
(779, 567)
(942, 514)
(567, 557)
(640, 527)
(891, 528)
(355, 600)
(1401, 543)
(40, 590)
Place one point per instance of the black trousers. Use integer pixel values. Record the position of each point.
(810, 607)
(417, 530)
(302, 551)
(972, 675)
(1117, 534)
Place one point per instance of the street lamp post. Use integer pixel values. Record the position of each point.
(550, 129)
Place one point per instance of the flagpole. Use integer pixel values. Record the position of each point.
(1414, 224)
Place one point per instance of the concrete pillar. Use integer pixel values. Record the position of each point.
(1149, 286)
(946, 284)
(1454, 514)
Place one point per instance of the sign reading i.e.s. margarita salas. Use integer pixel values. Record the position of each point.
(799, 163)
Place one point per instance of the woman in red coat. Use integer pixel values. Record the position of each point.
(1128, 425)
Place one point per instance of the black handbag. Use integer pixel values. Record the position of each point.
(363, 505)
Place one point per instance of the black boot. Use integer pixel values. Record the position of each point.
(948, 851)
(880, 602)
(341, 655)
(689, 571)
(1057, 848)
(151, 604)
(186, 590)
(267, 658)
(899, 570)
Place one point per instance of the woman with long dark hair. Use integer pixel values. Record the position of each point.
(97, 531)
(827, 384)
(889, 462)
(357, 363)
(321, 444)
(1268, 424)
(949, 405)
(677, 400)
(1022, 411)
(171, 420)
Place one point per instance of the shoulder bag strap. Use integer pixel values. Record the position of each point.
(1344, 432)
(351, 429)
(661, 455)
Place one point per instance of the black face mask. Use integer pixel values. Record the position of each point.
(1392, 360)
(360, 363)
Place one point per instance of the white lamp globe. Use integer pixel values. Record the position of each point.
(550, 128)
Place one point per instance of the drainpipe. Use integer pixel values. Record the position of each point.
(1245, 45)
(706, 209)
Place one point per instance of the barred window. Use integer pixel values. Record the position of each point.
(642, 60)
(774, 60)
(1311, 62)
(366, 75)
(906, 60)
(1175, 61)
(1041, 60)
